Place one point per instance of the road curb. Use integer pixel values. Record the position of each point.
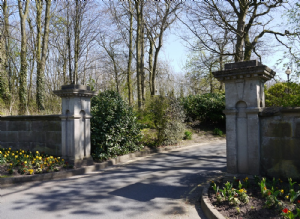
(209, 210)
(11, 181)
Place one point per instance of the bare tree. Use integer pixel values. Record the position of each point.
(23, 69)
(237, 18)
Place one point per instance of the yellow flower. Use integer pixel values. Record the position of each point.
(0, 152)
(27, 155)
(37, 157)
(20, 153)
(4, 155)
(40, 158)
(25, 162)
(265, 188)
(8, 152)
(58, 158)
(11, 164)
(16, 156)
(12, 154)
(282, 191)
(287, 197)
(62, 160)
(36, 152)
(241, 190)
(9, 148)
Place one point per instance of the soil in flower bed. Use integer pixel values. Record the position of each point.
(256, 207)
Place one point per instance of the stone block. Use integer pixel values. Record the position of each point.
(25, 146)
(13, 145)
(3, 126)
(25, 136)
(18, 126)
(278, 129)
(53, 138)
(297, 130)
(37, 125)
(38, 136)
(52, 126)
(12, 136)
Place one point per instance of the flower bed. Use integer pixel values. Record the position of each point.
(26, 162)
(258, 198)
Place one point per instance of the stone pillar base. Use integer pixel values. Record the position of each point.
(82, 162)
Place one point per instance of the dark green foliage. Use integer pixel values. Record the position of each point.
(188, 135)
(283, 95)
(206, 107)
(168, 116)
(217, 132)
(114, 129)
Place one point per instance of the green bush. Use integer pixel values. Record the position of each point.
(206, 107)
(283, 95)
(168, 117)
(188, 135)
(114, 129)
(217, 131)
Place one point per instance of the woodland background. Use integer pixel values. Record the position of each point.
(115, 45)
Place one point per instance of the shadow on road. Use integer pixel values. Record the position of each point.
(158, 181)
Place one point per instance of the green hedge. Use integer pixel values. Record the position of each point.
(206, 107)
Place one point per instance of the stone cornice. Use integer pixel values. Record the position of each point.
(248, 70)
(72, 90)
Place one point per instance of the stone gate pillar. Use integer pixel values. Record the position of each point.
(75, 123)
(244, 95)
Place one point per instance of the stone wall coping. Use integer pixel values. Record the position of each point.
(30, 118)
(275, 111)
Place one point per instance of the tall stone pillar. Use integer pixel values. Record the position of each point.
(244, 95)
(75, 123)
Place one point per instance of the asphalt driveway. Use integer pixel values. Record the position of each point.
(164, 185)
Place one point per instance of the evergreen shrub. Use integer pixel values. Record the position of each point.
(283, 95)
(206, 107)
(114, 128)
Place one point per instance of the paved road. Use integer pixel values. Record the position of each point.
(165, 185)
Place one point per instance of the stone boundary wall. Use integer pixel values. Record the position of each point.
(34, 133)
(280, 142)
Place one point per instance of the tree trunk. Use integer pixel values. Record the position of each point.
(129, 73)
(151, 48)
(69, 45)
(23, 69)
(142, 55)
(138, 6)
(77, 29)
(4, 70)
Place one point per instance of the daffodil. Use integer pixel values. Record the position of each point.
(36, 152)
(282, 191)
(16, 156)
(25, 162)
